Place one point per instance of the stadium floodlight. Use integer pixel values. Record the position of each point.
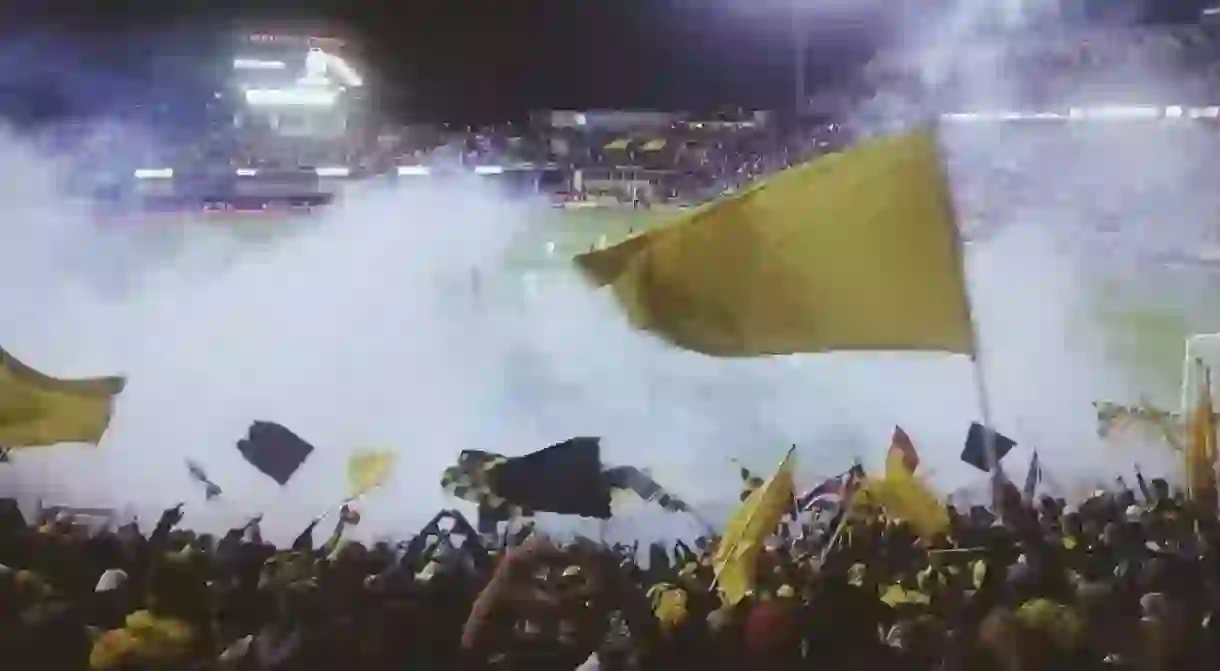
(154, 173)
(257, 64)
(965, 116)
(1105, 113)
(488, 170)
(246, 172)
(1115, 112)
(332, 171)
(414, 171)
(295, 97)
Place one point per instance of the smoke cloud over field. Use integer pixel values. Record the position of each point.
(361, 328)
(1070, 220)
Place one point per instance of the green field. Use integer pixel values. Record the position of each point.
(575, 231)
(570, 231)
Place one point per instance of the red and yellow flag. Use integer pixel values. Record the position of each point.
(902, 452)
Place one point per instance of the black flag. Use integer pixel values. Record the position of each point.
(565, 478)
(974, 453)
(274, 450)
(210, 489)
(568, 478)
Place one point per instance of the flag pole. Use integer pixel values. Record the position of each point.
(1188, 365)
(845, 506)
(844, 514)
(980, 378)
(984, 396)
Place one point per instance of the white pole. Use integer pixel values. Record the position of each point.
(1188, 361)
(980, 385)
(980, 379)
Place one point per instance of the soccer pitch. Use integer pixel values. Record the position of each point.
(554, 236)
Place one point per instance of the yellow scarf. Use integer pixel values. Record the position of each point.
(143, 638)
(668, 605)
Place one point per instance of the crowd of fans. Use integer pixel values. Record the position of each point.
(1124, 580)
(681, 161)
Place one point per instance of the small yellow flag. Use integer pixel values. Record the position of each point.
(902, 452)
(368, 470)
(855, 251)
(755, 521)
(37, 410)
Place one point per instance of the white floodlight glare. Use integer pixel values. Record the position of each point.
(332, 171)
(154, 173)
(246, 172)
(1103, 113)
(344, 72)
(257, 64)
(294, 97)
(1116, 112)
(488, 170)
(316, 66)
(414, 171)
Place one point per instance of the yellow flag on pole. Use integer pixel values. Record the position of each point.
(906, 496)
(368, 470)
(37, 410)
(1201, 450)
(755, 521)
(902, 452)
(854, 251)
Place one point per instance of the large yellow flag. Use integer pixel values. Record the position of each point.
(38, 410)
(368, 470)
(749, 528)
(1201, 450)
(852, 251)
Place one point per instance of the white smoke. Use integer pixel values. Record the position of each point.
(361, 329)
(358, 330)
(1070, 219)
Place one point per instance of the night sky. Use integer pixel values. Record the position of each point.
(461, 60)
